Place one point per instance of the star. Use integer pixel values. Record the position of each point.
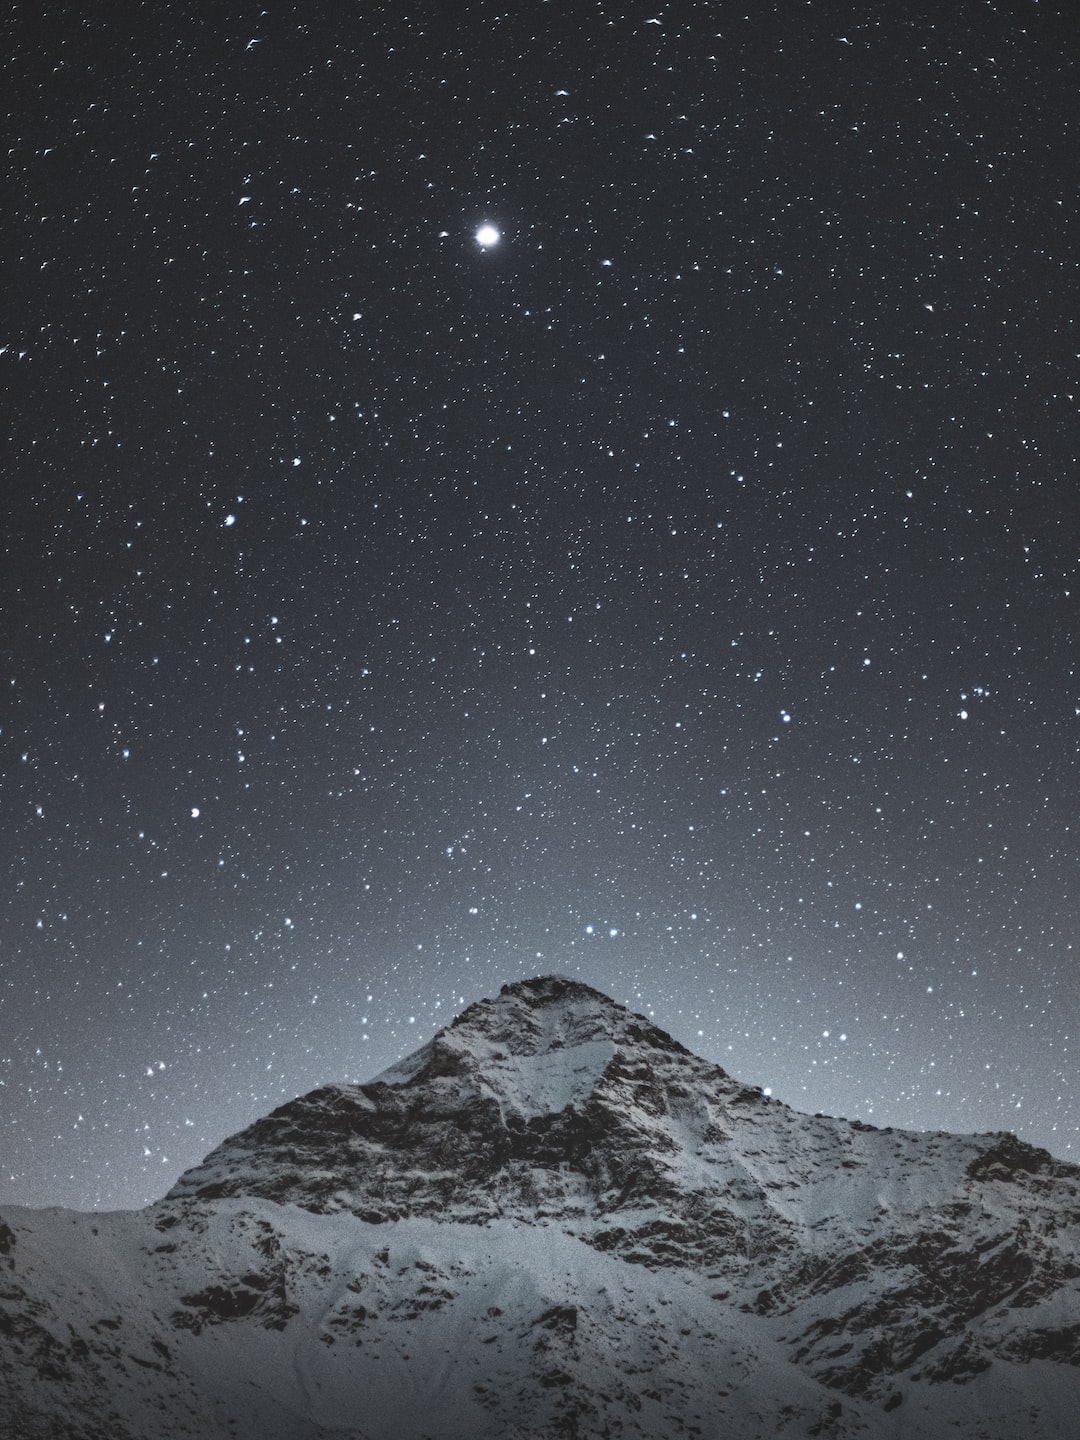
(552, 643)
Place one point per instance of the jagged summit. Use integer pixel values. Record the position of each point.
(548, 1012)
(549, 1073)
(534, 1020)
(550, 1221)
(553, 1095)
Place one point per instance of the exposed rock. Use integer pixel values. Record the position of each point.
(553, 1219)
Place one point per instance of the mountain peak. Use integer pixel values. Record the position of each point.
(529, 1080)
(567, 1009)
(556, 988)
(551, 1094)
(550, 1191)
(528, 1020)
(552, 1009)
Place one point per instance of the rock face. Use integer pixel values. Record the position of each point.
(553, 1220)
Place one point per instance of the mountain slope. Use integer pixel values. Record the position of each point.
(555, 1220)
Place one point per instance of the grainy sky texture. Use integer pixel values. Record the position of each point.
(676, 588)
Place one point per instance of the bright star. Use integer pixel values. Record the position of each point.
(487, 236)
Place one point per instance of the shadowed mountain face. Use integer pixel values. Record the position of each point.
(555, 1220)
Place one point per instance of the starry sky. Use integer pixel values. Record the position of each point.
(493, 490)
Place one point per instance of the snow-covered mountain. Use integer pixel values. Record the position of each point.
(553, 1220)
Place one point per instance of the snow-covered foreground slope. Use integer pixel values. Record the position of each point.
(555, 1221)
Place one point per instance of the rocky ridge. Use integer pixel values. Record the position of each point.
(576, 1227)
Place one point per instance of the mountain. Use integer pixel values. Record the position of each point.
(554, 1220)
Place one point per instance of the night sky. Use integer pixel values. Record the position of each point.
(679, 593)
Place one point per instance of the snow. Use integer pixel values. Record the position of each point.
(551, 1216)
